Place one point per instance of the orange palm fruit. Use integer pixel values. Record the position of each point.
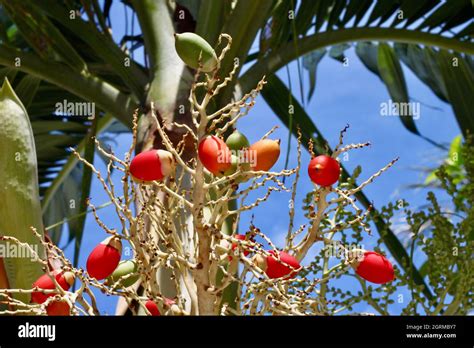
(265, 153)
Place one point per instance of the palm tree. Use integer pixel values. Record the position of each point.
(55, 51)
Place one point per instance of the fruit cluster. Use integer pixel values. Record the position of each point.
(230, 158)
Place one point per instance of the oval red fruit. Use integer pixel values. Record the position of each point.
(152, 308)
(375, 268)
(287, 265)
(58, 308)
(104, 259)
(64, 279)
(214, 154)
(152, 165)
(324, 170)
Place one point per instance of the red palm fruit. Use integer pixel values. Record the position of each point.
(152, 165)
(214, 154)
(64, 279)
(105, 257)
(152, 308)
(58, 308)
(324, 170)
(264, 154)
(235, 245)
(375, 268)
(288, 266)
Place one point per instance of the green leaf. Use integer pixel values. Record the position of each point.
(455, 150)
(64, 205)
(467, 31)
(422, 61)
(367, 53)
(423, 7)
(322, 12)
(382, 11)
(459, 81)
(310, 63)
(27, 88)
(412, 10)
(9, 73)
(211, 18)
(71, 163)
(351, 9)
(102, 45)
(278, 29)
(20, 203)
(432, 177)
(42, 35)
(86, 86)
(245, 21)
(392, 75)
(424, 269)
(45, 127)
(305, 15)
(444, 13)
(276, 95)
(383, 62)
(337, 51)
(364, 6)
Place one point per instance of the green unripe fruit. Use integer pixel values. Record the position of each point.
(245, 167)
(234, 163)
(237, 141)
(193, 49)
(235, 166)
(126, 269)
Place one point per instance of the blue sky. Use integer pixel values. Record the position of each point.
(343, 95)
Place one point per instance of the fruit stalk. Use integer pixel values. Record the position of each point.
(206, 300)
